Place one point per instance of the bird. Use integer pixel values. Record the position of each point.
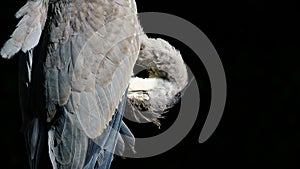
(76, 61)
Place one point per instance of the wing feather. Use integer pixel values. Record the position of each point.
(67, 144)
(99, 56)
(29, 29)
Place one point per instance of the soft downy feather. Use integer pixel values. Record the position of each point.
(153, 96)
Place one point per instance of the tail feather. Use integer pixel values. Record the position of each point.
(35, 138)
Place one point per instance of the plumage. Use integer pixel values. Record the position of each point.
(27, 34)
(75, 76)
(153, 96)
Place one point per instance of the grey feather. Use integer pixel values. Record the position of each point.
(67, 144)
(128, 139)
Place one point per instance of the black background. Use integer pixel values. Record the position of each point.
(258, 42)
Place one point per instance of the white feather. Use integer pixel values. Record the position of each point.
(168, 77)
(28, 32)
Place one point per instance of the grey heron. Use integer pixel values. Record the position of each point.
(76, 74)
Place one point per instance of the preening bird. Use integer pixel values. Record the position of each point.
(76, 74)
